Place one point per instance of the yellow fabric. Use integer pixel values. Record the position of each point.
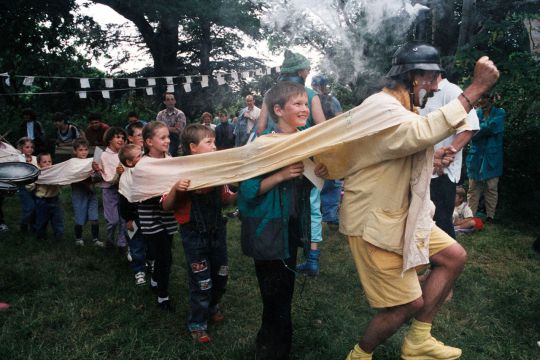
(47, 191)
(377, 131)
(358, 354)
(353, 128)
(380, 271)
(419, 332)
(388, 203)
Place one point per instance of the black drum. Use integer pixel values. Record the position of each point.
(7, 189)
(18, 173)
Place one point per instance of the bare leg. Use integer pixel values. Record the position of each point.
(386, 323)
(446, 267)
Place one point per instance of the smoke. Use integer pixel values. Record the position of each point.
(350, 35)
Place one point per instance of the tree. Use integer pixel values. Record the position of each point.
(45, 38)
(179, 34)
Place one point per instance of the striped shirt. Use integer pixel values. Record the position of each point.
(154, 219)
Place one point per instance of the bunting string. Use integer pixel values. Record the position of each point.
(106, 84)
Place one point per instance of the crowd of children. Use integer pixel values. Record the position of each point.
(275, 212)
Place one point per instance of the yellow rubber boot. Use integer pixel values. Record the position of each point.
(358, 354)
(420, 345)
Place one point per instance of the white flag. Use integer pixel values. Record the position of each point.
(278, 69)
(187, 87)
(220, 79)
(169, 80)
(204, 81)
(234, 76)
(28, 81)
(149, 91)
(106, 94)
(85, 84)
(170, 88)
(109, 83)
(131, 82)
(268, 71)
(151, 81)
(188, 79)
(245, 75)
(259, 72)
(82, 94)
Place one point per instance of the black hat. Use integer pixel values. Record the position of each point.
(415, 56)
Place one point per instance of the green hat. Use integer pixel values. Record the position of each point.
(294, 62)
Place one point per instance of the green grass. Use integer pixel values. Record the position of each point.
(81, 303)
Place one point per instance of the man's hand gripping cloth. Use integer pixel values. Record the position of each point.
(331, 141)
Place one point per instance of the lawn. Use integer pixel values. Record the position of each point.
(72, 302)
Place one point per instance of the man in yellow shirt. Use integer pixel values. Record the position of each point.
(386, 208)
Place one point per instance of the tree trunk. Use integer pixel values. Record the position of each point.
(162, 43)
(205, 47)
(467, 16)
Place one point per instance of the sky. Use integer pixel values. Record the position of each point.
(104, 15)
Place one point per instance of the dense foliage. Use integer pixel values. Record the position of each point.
(355, 38)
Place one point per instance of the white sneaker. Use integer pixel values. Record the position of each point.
(79, 242)
(98, 243)
(139, 278)
(3, 228)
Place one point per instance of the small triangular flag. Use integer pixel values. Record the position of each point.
(151, 81)
(169, 80)
(106, 94)
(28, 81)
(85, 84)
(204, 81)
(131, 82)
(82, 94)
(170, 88)
(188, 79)
(187, 87)
(220, 79)
(149, 91)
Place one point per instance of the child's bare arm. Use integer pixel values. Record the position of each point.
(461, 221)
(289, 172)
(181, 185)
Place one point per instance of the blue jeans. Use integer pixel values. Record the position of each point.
(49, 209)
(85, 206)
(316, 217)
(330, 199)
(208, 272)
(28, 206)
(112, 217)
(137, 249)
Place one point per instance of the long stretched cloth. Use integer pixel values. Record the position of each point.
(331, 141)
(9, 153)
(267, 153)
(66, 172)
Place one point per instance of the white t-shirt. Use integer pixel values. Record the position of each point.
(461, 212)
(448, 92)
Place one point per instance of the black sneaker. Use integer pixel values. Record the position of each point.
(166, 306)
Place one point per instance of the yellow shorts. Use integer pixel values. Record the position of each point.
(380, 271)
